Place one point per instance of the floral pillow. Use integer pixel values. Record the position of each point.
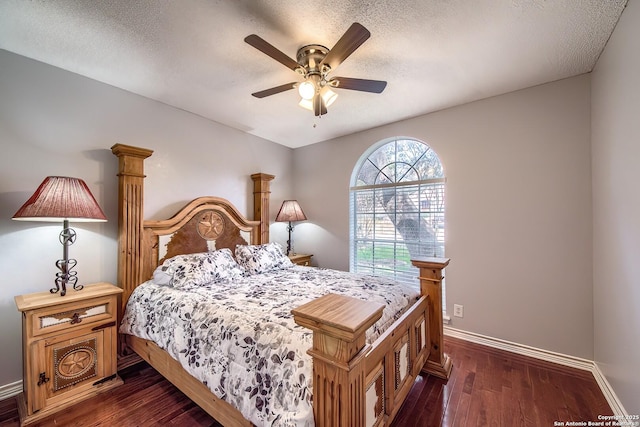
(257, 259)
(197, 269)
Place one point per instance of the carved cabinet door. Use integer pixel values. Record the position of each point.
(67, 365)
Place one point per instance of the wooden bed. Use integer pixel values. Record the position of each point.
(355, 383)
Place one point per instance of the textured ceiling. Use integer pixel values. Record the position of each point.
(191, 54)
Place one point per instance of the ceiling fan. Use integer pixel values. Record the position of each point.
(314, 63)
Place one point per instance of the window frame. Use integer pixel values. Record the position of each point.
(357, 188)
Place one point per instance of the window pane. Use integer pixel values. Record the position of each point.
(365, 226)
(364, 202)
(368, 173)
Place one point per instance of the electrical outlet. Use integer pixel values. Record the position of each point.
(458, 310)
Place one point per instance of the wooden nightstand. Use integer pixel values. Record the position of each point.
(69, 348)
(301, 259)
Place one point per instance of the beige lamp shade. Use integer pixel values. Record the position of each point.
(290, 211)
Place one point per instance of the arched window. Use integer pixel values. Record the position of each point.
(396, 208)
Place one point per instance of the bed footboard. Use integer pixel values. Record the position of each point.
(339, 324)
(356, 384)
(395, 360)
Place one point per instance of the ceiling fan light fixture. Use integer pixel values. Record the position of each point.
(307, 90)
(306, 104)
(328, 96)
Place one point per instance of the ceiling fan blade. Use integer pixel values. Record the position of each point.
(274, 90)
(319, 107)
(268, 49)
(364, 85)
(348, 43)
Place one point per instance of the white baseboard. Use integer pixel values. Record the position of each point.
(609, 393)
(10, 390)
(549, 356)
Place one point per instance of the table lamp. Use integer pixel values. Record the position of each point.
(60, 198)
(290, 211)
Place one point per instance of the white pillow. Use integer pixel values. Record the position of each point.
(257, 259)
(197, 269)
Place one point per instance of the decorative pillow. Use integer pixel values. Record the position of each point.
(197, 269)
(262, 258)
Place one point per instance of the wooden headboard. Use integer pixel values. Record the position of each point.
(205, 223)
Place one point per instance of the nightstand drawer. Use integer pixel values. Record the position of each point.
(66, 317)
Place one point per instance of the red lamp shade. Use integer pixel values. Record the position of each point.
(59, 198)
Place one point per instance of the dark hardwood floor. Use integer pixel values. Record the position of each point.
(488, 387)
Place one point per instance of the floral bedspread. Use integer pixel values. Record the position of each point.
(239, 337)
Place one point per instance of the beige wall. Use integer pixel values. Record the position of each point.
(616, 209)
(56, 123)
(518, 210)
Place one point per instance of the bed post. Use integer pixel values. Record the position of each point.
(438, 363)
(130, 217)
(261, 192)
(339, 348)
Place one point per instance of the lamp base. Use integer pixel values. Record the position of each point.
(66, 276)
(290, 228)
(65, 265)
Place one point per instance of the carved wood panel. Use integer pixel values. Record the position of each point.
(74, 363)
(207, 230)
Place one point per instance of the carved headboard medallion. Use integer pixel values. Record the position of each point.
(210, 225)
